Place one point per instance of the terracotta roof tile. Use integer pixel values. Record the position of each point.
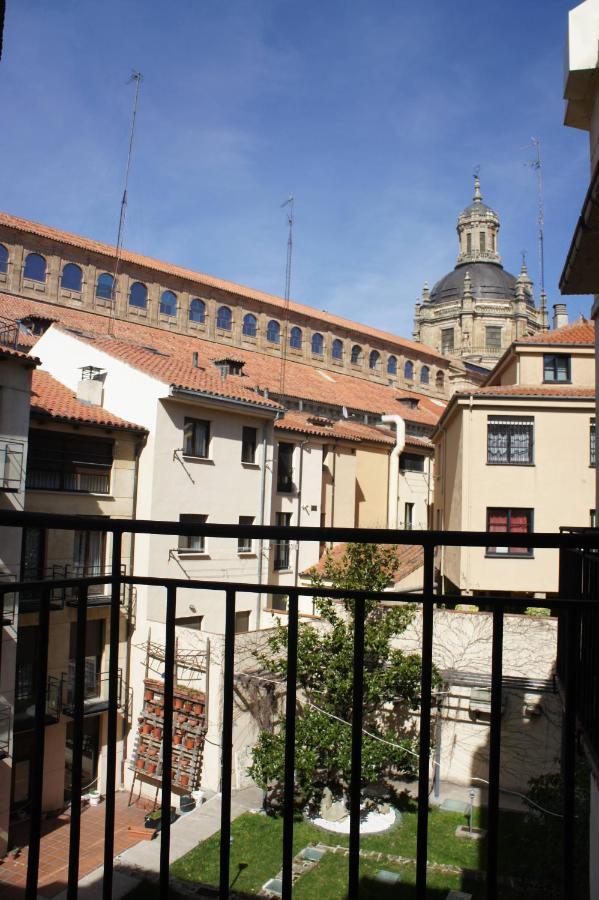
(10, 353)
(580, 332)
(200, 278)
(307, 423)
(130, 341)
(410, 557)
(52, 399)
(532, 390)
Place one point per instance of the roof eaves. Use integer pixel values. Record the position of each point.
(271, 407)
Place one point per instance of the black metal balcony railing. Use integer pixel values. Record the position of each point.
(27, 600)
(26, 710)
(11, 464)
(61, 480)
(5, 722)
(576, 604)
(96, 691)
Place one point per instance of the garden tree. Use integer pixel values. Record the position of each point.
(325, 685)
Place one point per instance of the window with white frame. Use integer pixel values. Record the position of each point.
(510, 440)
(196, 438)
(192, 543)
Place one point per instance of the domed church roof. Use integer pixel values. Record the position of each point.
(489, 281)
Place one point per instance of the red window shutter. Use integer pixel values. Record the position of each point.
(519, 524)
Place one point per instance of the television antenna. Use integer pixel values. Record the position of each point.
(137, 78)
(289, 205)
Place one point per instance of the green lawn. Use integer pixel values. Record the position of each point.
(257, 846)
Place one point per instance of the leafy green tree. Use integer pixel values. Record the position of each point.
(325, 685)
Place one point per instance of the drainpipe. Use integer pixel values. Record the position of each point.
(400, 442)
(299, 508)
(261, 521)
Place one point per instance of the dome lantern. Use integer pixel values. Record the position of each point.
(478, 226)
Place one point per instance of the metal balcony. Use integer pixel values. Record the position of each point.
(96, 692)
(578, 670)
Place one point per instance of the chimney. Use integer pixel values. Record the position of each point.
(195, 359)
(91, 387)
(560, 315)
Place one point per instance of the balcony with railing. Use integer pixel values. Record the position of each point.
(11, 465)
(95, 691)
(28, 699)
(575, 604)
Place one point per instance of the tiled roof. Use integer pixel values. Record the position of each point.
(307, 423)
(531, 390)
(53, 400)
(9, 353)
(199, 278)
(422, 442)
(580, 332)
(410, 557)
(173, 365)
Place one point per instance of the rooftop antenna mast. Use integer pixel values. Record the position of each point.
(137, 78)
(289, 204)
(536, 164)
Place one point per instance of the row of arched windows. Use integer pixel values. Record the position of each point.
(72, 278)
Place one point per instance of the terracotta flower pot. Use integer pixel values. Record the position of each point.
(157, 733)
(150, 709)
(139, 763)
(182, 719)
(177, 739)
(197, 708)
(189, 743)
(152, 751)
(150, 768)
(148, 694)
(177, 703)
(187, 706)
(146, 728)
(184, 780)
(193, 723)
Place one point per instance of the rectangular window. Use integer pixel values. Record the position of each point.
(469, 243)
(447, 342)
(408, 516)
(195, 543)
(193, 622)
(483, 242)
(242, 622)
(248, 444)
(281, 557)
(512, 521)
(509, 441)
(556, 367)
(68, 462)
(244, 545)
(279, 602)
(411, 462)
(493, 337)
(593, 516)
(285, 468)
(89, 554)
(196, 438)
(592, 444)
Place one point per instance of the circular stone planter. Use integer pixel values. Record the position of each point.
(373, 822)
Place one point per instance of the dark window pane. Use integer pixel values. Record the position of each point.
(248, 444)
(408, 370)
(285, 468)
(168, 304)
(197, 311)
(392, 365)
(317, 344)
(337, 349)
(138, 295)
(104, 286)
(71, 278)
(273, 332)
(295, 338)
(196, 437)
(411, 462)
(3, 258)
(514, 521)
(424, 375)
(250, 325)
(35, 267)
(196, 542)
(224, 318)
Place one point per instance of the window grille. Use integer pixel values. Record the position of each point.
(510, 441)
(411, 462)
(281, 557)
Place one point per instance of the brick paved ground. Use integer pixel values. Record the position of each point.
(54, 849)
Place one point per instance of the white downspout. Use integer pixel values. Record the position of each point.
(400, 442)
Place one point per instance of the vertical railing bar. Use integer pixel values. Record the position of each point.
(494, 751)
(77, 768)
(37, 763)
(355, 786)
(113, 669)
(290, 716)
(425, 720)
(570, 585)
(167, 739)
(227, 745)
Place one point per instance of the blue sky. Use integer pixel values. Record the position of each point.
(372, 114)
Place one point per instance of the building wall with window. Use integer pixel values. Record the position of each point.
(503, 462)
(209, 308)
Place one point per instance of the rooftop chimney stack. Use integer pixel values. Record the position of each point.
(195, 359)
(560, 315)
(91, 387)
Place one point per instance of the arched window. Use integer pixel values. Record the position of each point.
(337, 349)
(104, 286)
(3, 258)
(374, 360)
(424, 375)
(224, 318)
(250, 325)
(71, 277)
(197, 311)
(408, 370)
(35, 267)
(440, 380)
(295, 338)
(317, 344)
(356, 355)
(138, 295)
(392, 365)
(273, 332)
(168, 304)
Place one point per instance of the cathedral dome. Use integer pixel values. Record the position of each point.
(489, 281)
